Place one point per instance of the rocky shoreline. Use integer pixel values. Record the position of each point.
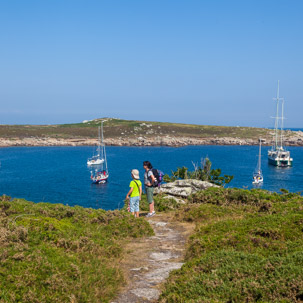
(295, 139)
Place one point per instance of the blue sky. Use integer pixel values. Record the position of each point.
(204, 62)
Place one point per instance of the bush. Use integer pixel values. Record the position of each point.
(232, 276)
(56, 253)
(247, 247)
(255, 197)
(161, 204)
(202, 172)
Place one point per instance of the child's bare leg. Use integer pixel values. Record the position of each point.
(151, 207)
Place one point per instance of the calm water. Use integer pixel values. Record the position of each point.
(60, 174)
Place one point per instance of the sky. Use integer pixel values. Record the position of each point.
(194, 61)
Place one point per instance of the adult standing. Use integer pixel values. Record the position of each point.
(149, 181)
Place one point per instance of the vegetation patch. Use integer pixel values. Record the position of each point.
(162, 204)
(57, 253)
(202, 172)
(247, 247)
(114, 128)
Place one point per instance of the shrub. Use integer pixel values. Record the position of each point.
(57, 253)
(201, 172)
(247, 247)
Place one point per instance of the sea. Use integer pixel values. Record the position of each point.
(60, 174)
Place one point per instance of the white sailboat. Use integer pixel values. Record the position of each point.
(101, 174)
(278, 155)
(97, 159)
(257, 175)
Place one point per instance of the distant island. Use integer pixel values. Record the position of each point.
(120, 132)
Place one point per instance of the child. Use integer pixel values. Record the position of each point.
(135, 193)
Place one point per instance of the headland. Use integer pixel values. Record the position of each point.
(119, 132)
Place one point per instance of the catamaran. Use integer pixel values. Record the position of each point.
(97, 159)
(278, 155)
(257, 175)
(101, 174)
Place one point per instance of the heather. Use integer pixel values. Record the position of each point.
(247, 247)
(56, 253)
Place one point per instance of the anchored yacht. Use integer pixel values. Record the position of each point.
(278, 155)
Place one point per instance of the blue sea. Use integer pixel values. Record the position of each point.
(60, 174)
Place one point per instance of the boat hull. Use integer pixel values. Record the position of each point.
(102, 181)
(95, 162)
(280, 162)
(257, 179)
(280, 158)
(257, 182)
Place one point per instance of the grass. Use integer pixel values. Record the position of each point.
(247, 247)
(117, 128)
(56, 253)
(161, 204)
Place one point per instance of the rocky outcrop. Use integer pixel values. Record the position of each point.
(292, 138)
(183, 188)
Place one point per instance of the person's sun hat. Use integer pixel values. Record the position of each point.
(135, 173)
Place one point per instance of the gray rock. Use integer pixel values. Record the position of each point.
(148, 293)
(183, 188)
(160, 274)
(161, 256)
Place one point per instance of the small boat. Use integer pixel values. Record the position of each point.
(278, 155)
(100, 177)
(97, 159)
(101, 174)
(257, 175)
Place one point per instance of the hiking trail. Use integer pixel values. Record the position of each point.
(150, 260)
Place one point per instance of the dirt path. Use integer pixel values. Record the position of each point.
(150, 260)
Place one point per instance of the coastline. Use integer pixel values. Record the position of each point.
(293, 139)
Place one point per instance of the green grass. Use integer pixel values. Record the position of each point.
(247, 247)
(114, 128)
(161, 204)
(56, 253)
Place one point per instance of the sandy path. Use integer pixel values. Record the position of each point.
(150, 260)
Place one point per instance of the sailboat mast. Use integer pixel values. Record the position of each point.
(259, 160)
(101, 140)
(282, 122)
(98, 149)
(277, 118)
(102, 132)
(103, 149)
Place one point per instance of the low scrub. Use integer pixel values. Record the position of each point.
(202, 172)
(162, 204)
(56, 253)
(255, 197)
(247, 247)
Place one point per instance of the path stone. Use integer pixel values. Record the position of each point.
(146, 293)
(151, 260)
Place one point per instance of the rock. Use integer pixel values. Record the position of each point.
(148, 293)
(183, 188)
(152, 139)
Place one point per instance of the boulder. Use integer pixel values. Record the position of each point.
(183, 188)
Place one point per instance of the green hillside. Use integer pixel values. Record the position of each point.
(129, 128)
(247, 247)
(56, 253)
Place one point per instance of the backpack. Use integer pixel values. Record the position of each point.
(158, 174)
